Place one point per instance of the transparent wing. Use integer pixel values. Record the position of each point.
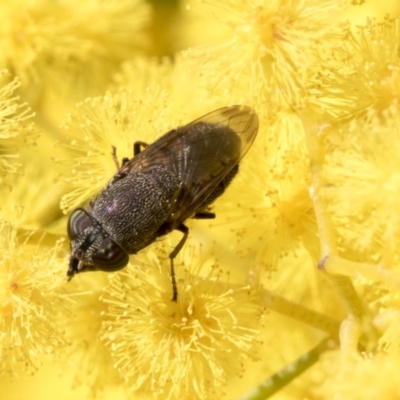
(200, 154)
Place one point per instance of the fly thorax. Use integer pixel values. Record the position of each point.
(132, 208)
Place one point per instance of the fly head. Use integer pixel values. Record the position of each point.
(92, 249)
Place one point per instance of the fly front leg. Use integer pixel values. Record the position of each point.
(115, 158)
(137, 148)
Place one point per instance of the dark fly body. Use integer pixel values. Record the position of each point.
(165, 183)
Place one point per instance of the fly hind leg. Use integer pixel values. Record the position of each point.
(185, 230)
(203, 214)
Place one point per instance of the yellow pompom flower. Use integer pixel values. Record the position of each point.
(270, 48)
(268, 205)
(308, 203)
(55, 44)
(363, 183)
(364, 70)
(97, 125)
(180, 349)
(377, 372)
(31, 298)
(16, 127)
(95, 372)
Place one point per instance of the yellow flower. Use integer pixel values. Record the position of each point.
(270, 49)
(38, 214)
(165, 84)
(101, 123)
(180, 349)
(57, 44)
(122, 330)
(95, 370)
(31, 299)
(360, 378)
(16, 128)
(362, 172)
(270, 209)
(364, 70)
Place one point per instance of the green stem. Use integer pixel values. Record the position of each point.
(286, 375)
(356, 314)
(300, 313)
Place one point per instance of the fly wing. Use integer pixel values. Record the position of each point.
(200, 154)
(218, 140)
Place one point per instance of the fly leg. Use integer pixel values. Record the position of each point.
(137, 147)
(203, 215)
(114, 156)
(185, 230)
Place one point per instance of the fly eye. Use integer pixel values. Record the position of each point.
(78, 221)
(110, 256)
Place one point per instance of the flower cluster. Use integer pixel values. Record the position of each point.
(185, 348)
(16, 129)
(31, 300)
(301, 264)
